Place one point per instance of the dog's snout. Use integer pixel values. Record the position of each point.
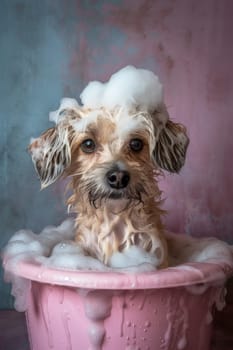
(118, 179)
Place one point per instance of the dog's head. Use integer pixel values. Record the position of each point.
(109, 153)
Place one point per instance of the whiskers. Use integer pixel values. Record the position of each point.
(99, 196)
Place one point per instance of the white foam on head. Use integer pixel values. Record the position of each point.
(129, 87)
(65, 103)
(126, 123)
(92, 95)
(131, 90)
(81, 125)
(133, 122)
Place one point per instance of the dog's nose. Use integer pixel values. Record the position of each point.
(118, 178)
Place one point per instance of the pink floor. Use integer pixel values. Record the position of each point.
(13, 334)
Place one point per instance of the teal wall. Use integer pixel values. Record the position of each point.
(34, 54)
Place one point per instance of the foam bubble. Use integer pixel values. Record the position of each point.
(69, 255)
(129, 87)
(134, 258)
(186, 249)
(65, 103)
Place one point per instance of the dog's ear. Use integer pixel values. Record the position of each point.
(51, 154)
(171, 142)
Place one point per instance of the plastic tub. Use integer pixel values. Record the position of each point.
(168, 309)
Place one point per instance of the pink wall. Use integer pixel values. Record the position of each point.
(189, 45)
(196, 62)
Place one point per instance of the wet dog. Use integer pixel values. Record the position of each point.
(112, 158)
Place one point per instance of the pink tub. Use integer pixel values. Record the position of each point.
(168, 310)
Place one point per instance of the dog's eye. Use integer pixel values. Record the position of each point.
(136, 145)
(88, 146)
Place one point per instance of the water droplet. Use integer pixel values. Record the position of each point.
(209, 318)
(147, 324)
(131, 296)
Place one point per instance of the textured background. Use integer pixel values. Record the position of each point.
(51, 49)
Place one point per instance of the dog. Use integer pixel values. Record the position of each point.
(112, 158)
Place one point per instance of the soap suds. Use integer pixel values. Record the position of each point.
(185, 249)
(66, 103)
(129, 87)
(134, 257)
(54, 248)
(97, 306)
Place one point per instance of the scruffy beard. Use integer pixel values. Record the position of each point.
(98, 196)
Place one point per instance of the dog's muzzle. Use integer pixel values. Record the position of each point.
(117, 185)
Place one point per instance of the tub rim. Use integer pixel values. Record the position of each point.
(183, 275)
